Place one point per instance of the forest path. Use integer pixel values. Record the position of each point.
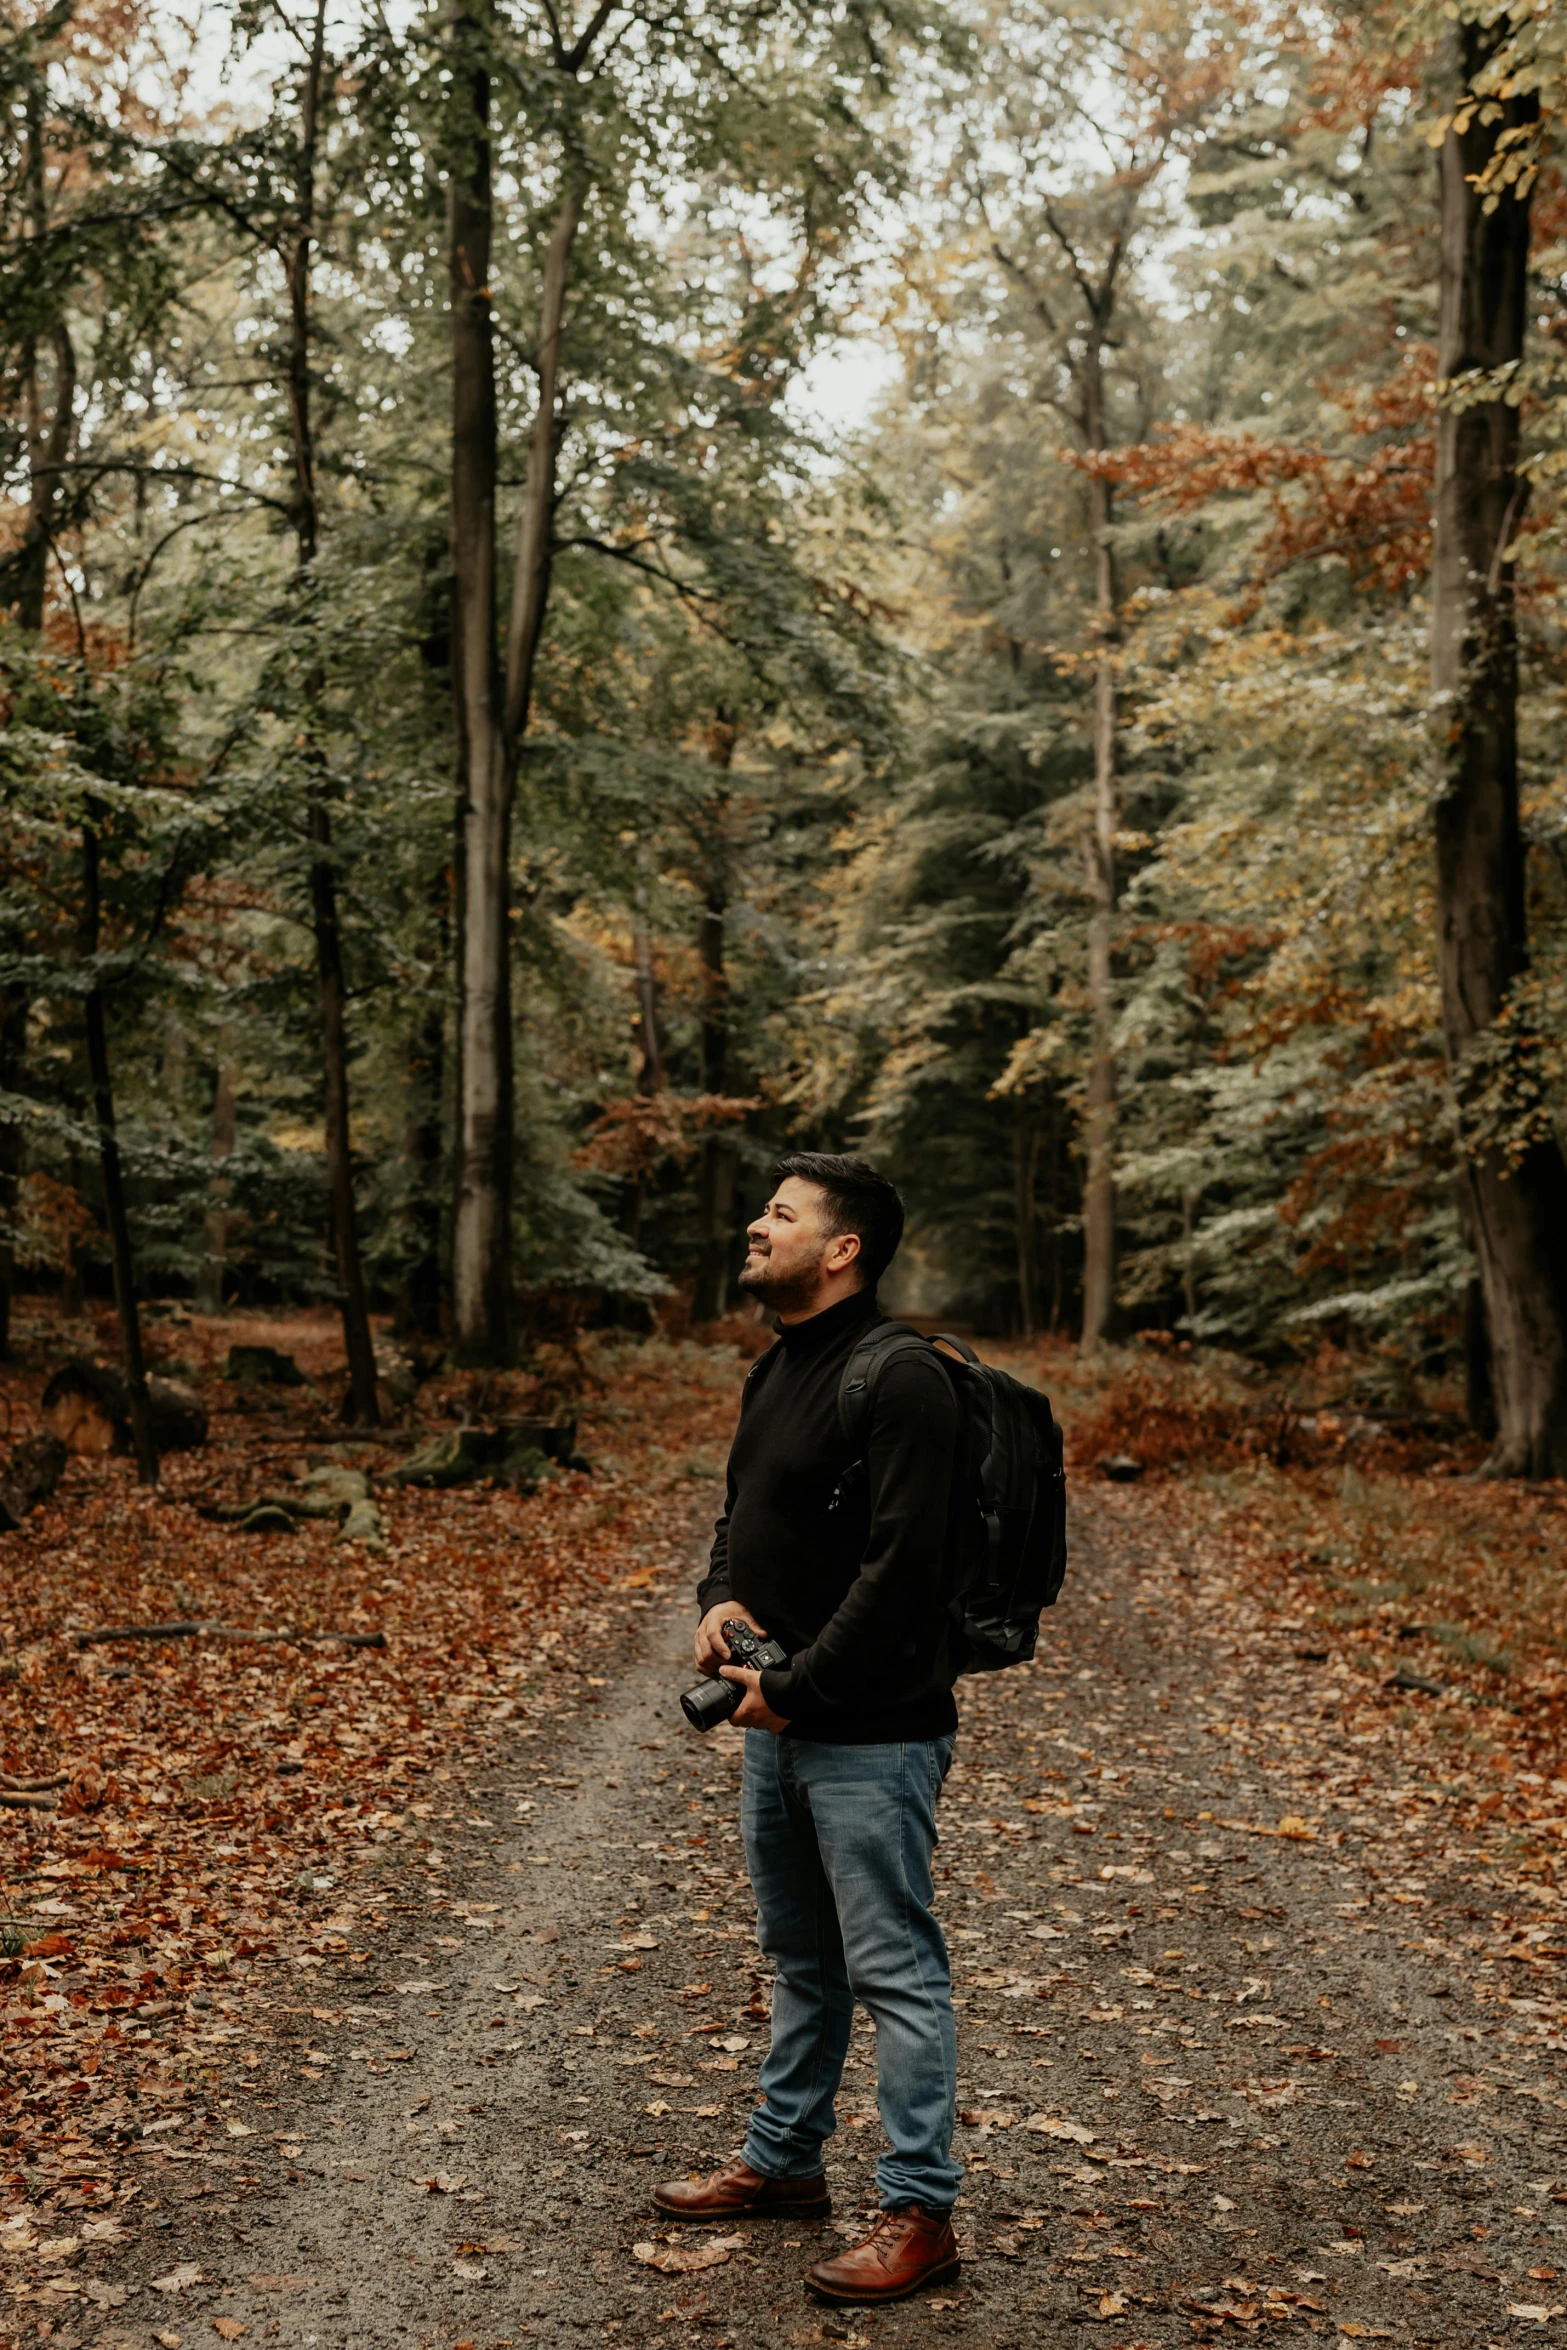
(1299, 2109)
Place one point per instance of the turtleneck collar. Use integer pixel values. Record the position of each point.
(820, 1329)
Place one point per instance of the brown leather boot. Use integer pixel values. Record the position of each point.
(738, 2191)
(905, 2251)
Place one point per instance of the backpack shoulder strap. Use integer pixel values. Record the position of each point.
(861, 1373)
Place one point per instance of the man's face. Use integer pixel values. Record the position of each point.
(791, 1253)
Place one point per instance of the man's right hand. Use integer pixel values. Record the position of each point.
(710, 1647)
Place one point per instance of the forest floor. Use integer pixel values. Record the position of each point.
(357, 1997)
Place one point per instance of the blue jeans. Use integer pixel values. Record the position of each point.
(838, 1841)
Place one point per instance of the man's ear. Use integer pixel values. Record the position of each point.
(843, 1252)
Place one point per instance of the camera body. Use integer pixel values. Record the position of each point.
(712, 1702)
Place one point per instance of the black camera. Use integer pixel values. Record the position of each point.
(712, 1702)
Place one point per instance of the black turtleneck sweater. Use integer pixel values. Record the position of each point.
(856, 1594)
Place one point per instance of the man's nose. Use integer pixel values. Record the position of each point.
(758, 1230)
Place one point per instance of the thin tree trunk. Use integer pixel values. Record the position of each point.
(419, 1291)
(650, 1066)
(225, 1127)
(481, 1233)
(362, 1406)
(720, 1162)
(710, 1301)
(1189, 1200)
(13, 1053)
(1025, 1210)
(138, 1406)
(48, 427)
(1099, 1138)
(1518, 1212)
(531, 580)
(331, 984)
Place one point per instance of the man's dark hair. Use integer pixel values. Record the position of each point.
(859, 1200)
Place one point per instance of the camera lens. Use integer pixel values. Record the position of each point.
(710, 1703)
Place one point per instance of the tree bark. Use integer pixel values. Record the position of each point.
(138, 1403)
(1099, 1135)
(331, 983)
(1517, 1211)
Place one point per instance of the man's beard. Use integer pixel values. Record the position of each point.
(783, 1293)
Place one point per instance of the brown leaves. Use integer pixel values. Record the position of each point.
(224, 1805)
(681, 2256)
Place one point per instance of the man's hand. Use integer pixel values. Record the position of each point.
(710, 1647)
(753, 1712)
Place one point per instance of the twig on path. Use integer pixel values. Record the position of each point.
(222, 1632)
(12, 1799)
(34, 1786)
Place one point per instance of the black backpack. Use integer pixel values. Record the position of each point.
(1008, 1525)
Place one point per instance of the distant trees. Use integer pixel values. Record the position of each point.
(478, 772)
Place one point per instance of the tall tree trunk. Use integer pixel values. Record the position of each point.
(493, 716)
(138, 1405)
(1099, 1137)
(13, 1053)
(1518, 1212)
(225, 1127)
(1025, 1211)
(481, 1233)
(720, 1161)
(331, 984)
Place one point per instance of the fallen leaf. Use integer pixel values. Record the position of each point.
(442, 2182)
(1537, 2310)
(187, 2273)
(684, 2259)
(1049, 2127)
(269, 2283)
(229, 2327)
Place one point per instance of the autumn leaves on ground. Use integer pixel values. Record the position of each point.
(176, 1814)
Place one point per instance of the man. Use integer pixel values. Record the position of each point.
(842, 1561)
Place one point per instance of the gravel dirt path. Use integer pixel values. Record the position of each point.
(1235, 2057)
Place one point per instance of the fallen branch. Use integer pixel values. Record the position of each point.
(11, 1800)
(222, 1632)
(34, 1786)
